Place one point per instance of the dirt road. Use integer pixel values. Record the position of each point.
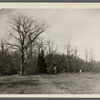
(27, 85)
(51, 84)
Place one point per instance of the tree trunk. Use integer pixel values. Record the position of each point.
(22, 63)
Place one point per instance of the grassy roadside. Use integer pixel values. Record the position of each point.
(84, 83)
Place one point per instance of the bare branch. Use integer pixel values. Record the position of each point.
(32, 40)
(14, 36)
(13, 45)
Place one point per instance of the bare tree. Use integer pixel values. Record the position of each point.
(91, 56)
(27, 31)
(51, 47)
(86, 56)
(51, 51)
(75, 52)
(71, 57)
(41, 45)
(69, 50)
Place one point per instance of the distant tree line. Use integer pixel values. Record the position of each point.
(28, 53)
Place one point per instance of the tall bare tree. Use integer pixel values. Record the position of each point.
(51, 47)
(91, 56)
(75, 52)
(25, 30)
(86, 56)
(69, 50)
(71, 57)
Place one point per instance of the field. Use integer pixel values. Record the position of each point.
(69, 83)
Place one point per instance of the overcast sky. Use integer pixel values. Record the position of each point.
(80, 27)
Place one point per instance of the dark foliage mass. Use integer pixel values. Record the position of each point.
(41, 63)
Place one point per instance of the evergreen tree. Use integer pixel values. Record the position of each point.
(41, 64)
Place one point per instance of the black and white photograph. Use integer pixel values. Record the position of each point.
(49, 51)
